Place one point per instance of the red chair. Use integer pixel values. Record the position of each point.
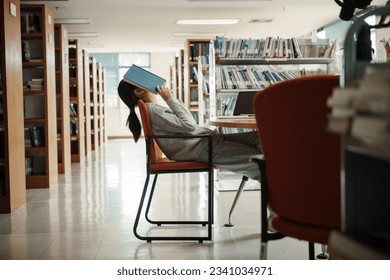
(300, 172)
(158, 164)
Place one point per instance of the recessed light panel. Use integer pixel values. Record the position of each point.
(83, 34)
(216, 21)
(73, 20)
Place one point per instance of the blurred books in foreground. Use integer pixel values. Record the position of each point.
(363, 111)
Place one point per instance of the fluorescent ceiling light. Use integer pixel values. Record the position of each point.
(220, 21)
(261, 20)
(229, 0)
(197, 34)
(73, 20)
(92, 45)
(44, 0)
(83, 34)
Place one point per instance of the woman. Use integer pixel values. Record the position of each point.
(231, 152)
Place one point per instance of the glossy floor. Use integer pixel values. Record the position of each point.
(90, 212)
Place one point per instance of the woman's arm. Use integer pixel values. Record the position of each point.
(178, 119)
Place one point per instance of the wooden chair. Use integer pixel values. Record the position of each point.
(158, 164)
(300, 172)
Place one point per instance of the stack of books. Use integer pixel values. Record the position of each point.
(35, 84)
(363, 111)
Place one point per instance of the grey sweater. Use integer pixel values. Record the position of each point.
(177, 120)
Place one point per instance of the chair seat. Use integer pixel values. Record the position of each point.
(167, 164)
(311, 233)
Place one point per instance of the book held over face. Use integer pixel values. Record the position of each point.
(142, 78)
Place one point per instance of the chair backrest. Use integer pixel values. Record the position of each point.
(303, 159)
(154, 149)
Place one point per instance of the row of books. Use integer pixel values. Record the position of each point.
(34, 136)
(74, 128)
(26, 53)
(270, 47)
(197, 50)
(227, 106)
(194, 97)
(35, 84)
(251, 77)
(73, 110)
(193, 75)
(30, 23)
(363, 110)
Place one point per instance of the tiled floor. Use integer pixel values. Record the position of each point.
(90, 212)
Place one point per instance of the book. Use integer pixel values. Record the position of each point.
(29, 166)
(142, 78)
(27, 137)
(369, 128)
(37, 136)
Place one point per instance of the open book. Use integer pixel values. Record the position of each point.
(142, 78)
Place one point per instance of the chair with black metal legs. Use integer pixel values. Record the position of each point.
(157, 164)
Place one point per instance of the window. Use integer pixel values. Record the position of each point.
(116, 65)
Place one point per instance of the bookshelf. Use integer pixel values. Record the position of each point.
(12, 153)
(180, 78)
(103, 106)
(174, 71)
(87, 100)
(194, 48)
(62, 98)
(99, 103)
(235, 66)
(93, 101)
(76, 99)
(39, 93)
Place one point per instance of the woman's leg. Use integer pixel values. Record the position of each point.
(250, 138)
(235, 155)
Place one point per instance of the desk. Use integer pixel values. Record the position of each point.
(240, 122)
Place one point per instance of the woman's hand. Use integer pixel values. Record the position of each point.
(164, 92)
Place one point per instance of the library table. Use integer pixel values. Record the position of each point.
(232, 122)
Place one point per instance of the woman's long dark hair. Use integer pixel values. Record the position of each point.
(126, 93)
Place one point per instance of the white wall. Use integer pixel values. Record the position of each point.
(160, 63)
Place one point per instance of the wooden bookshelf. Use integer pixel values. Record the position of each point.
(39, 92)
(87, 101)
(12, 169)
(76, 92)
(103, 107)
(62, 98)
(93, 102)
(180, 84)
(98, 105)
(194, 48)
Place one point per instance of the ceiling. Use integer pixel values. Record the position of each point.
(149, 25)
